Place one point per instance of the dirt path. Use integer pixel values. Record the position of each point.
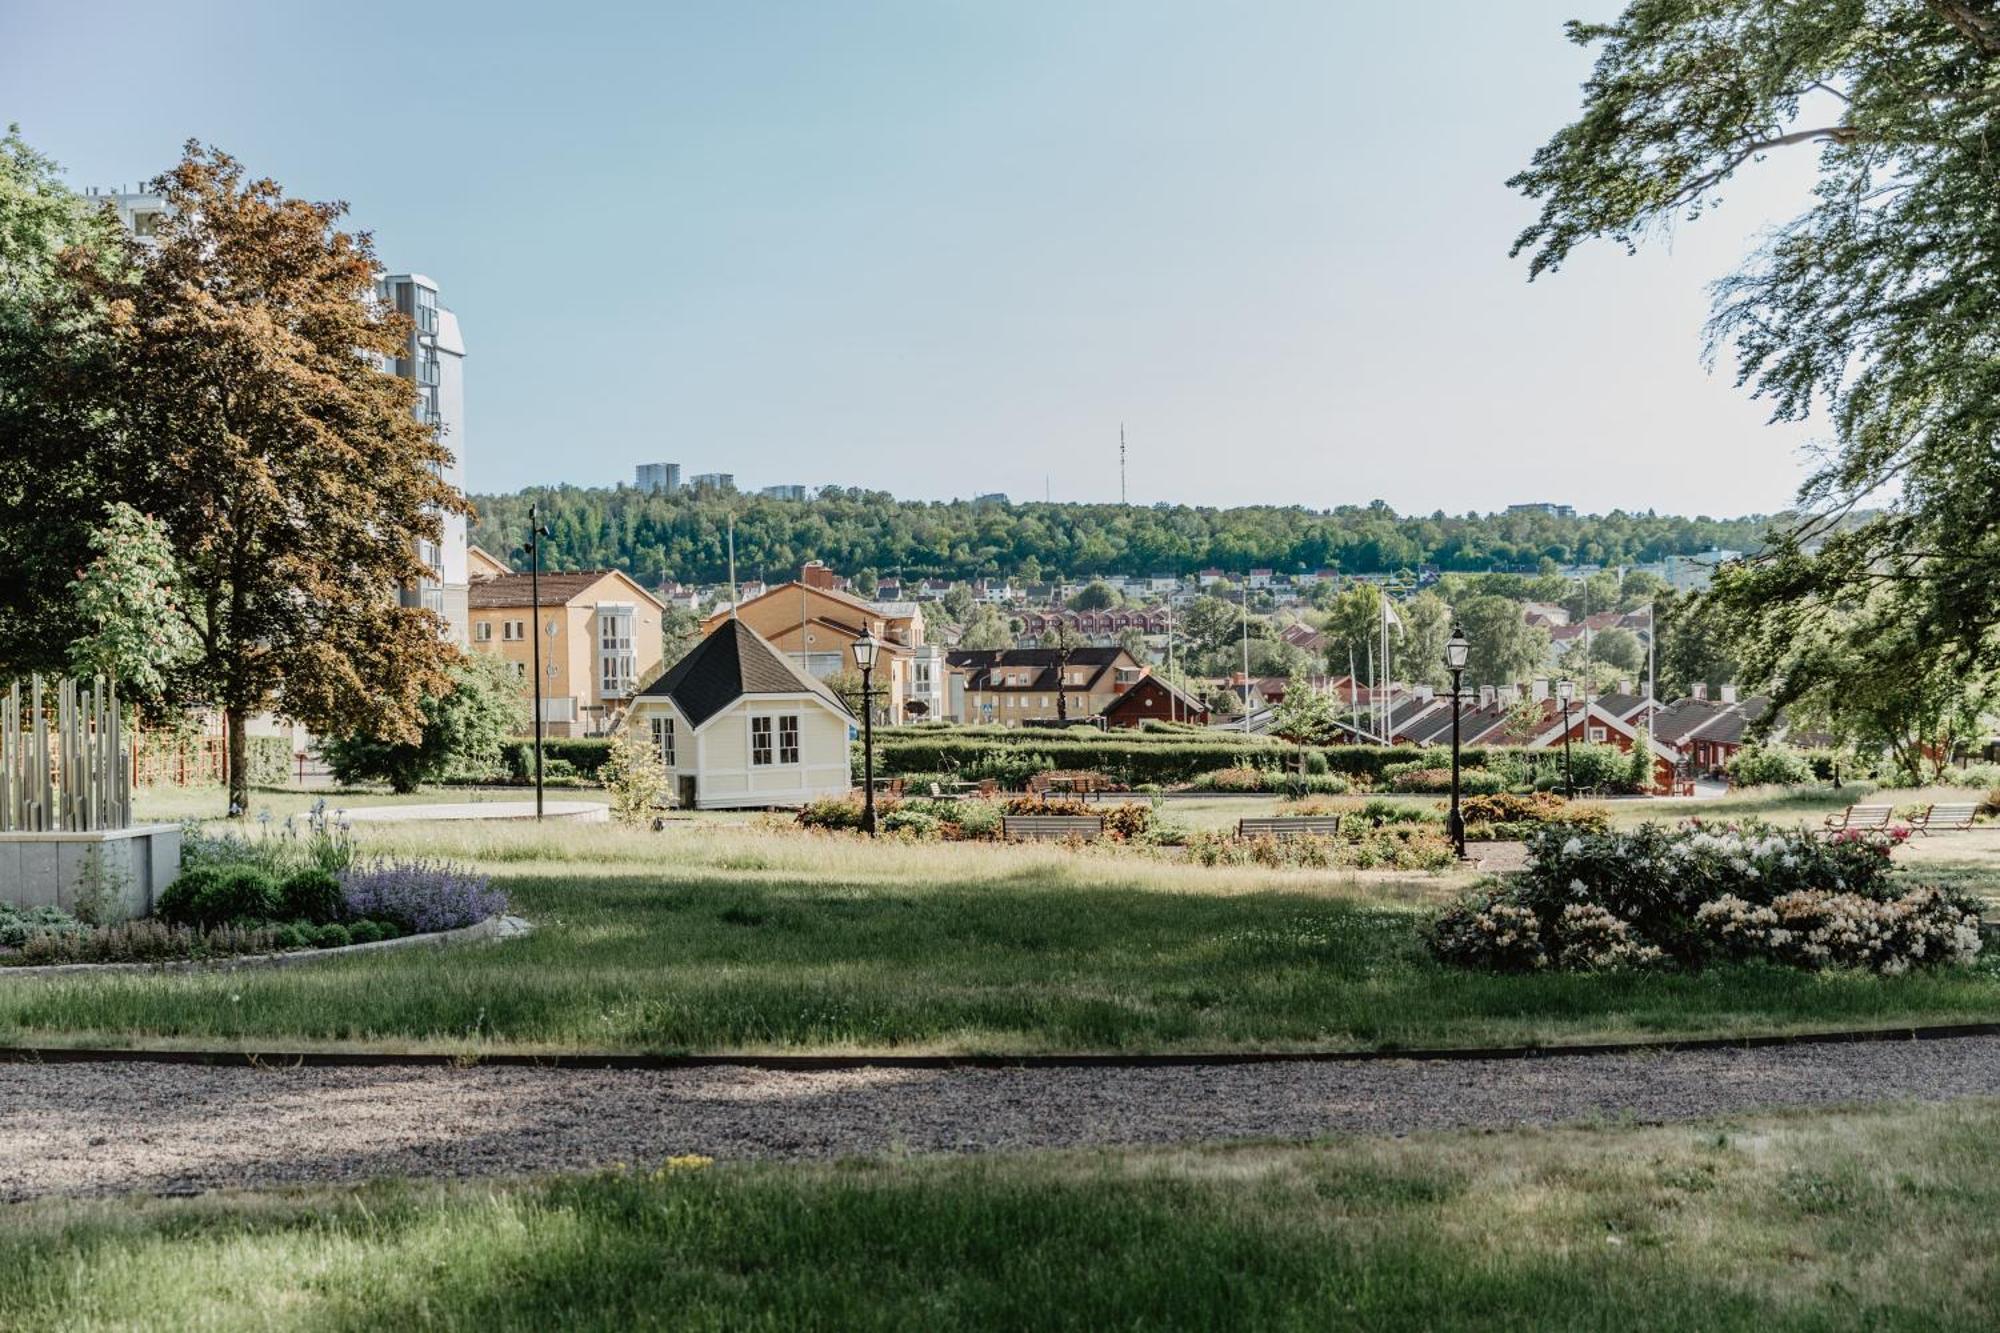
(80, 1128)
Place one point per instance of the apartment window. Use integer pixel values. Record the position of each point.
(1597, 735)
(617, 663)
(484, 631)
(760, 742)
(433, 599)
(788, 738)
(520, 671)
(427, 311)
(663, 739)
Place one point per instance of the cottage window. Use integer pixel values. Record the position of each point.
(760, 742)
(1597, 735)
(484, 631)
(663, 739)
(788, 738)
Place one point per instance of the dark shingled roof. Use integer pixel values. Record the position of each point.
(734, 660)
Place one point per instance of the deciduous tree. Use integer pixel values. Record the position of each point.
(251, 414)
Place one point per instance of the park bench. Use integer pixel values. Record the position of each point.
(1946, 818)
(1036, 828)
(1861, 817)
(1292, 826)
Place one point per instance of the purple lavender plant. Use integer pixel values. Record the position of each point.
(422, 896)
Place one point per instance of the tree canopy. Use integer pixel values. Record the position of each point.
(1874, 306)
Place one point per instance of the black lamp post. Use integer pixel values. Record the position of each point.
(1565, 691)
(1456, 651)
(536, 531)
(865, 649)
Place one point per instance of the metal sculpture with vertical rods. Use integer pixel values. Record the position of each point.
(64, 763)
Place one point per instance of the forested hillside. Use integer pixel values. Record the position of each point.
(683, 535)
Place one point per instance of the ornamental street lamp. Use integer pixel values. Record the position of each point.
(537, 530)
(1456, 651)
(865, 649)
(1565, 690)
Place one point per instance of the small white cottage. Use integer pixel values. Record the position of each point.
(739, 724)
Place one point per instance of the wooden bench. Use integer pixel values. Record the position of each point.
(1861, 817)
(1292, 826)
(1039, 828)
(1946, 818)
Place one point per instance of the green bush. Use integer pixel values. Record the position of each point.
(1769, 766)
(17, 923)
(210, 896)
(296, 935)
(583, 754)
(1427, 779)
(333, 936)
(364, 932)
(310, 895)
(918, 824)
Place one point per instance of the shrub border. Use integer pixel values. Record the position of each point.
(502, 927)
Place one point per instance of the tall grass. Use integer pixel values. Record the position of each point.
(1880, 1220)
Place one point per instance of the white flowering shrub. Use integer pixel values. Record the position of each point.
(1686, 896)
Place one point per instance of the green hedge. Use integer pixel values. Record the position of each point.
(1159, 759)
(584, 755)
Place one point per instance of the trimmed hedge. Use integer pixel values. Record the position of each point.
(584, 755)
(1155, 759)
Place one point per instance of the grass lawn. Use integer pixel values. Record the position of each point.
(1879, 1220)
(730, 937)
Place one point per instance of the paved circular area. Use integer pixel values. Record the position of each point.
(588, 812)
(113, 1128)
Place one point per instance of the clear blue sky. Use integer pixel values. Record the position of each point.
(945, 248)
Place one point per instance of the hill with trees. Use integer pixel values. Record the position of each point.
(684, 535)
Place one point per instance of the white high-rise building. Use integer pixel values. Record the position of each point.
(434, 361)
(657, 478)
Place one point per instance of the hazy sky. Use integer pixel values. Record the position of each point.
(946, 248)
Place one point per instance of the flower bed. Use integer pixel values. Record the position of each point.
(278, 893)
(1506, 817)
(1410, 846)
(1700, 893)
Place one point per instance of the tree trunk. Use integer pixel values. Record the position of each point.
(238, 763)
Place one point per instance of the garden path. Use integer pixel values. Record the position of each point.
(114, 1128)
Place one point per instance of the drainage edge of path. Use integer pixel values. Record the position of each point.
(335, 1059)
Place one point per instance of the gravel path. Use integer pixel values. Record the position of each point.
(110, 1128)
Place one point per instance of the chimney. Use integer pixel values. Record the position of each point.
(1541, 689)
(1700, 690)
(1508, 696)
(1729, 694)
(815, 574)
(1486, 696)
(1624, 687)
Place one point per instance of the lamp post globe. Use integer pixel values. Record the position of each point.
(1457, 651)
(865, 648)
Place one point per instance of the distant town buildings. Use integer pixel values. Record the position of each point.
(1544, 507)
(786, 492)
(657, 478)
(713, 481)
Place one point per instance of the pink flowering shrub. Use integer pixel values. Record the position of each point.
(1686, 896)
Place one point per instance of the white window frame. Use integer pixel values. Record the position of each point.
(764, 730)
(484, 631)
(789, 723)
(663, 738)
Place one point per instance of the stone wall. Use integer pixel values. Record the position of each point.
(133, 866)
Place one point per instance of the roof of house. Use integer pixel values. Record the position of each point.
(1682, 718)
(507, 591)
(1187, 702)
(979, 664)
(1620, 705)
(1729, 726)
(734, 660)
